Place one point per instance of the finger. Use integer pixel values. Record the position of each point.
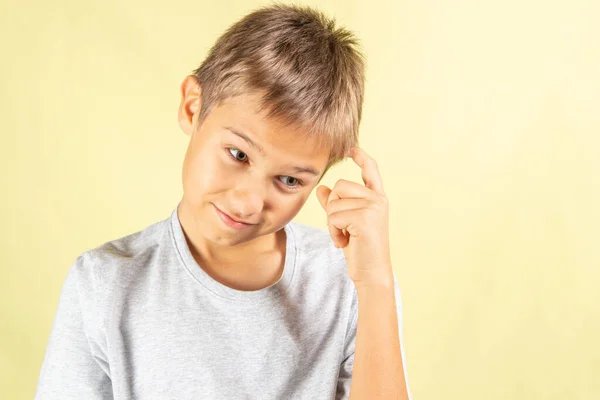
(338, 205)
(346, 204)
(337, 234)
(369, 170)
(348, 189)
(345, 190)
(342, 221)
(322, 195)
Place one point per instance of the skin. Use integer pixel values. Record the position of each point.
(221, 169)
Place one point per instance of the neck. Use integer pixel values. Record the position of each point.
(251, 265)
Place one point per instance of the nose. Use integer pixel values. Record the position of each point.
(246, 200)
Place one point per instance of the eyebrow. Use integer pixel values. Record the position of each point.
(247, 139)
(261, 150)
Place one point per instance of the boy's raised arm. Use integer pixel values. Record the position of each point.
(348, 365)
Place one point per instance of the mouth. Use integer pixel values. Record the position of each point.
(231, 222)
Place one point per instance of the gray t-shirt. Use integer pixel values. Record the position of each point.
(138, 318)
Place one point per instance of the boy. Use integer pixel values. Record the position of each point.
(228, 298)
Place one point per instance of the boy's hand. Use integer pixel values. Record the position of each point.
(357, 217)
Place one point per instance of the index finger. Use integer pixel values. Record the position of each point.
(369, 170)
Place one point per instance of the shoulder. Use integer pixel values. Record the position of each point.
(100, 269)
(132, 246)
(318, 256)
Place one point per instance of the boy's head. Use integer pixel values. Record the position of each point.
(288, 80)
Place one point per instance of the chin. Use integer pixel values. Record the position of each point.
(223, 237)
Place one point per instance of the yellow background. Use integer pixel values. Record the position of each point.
(484, 117)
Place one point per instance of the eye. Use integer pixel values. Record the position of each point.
(291, 182)
(238, 155)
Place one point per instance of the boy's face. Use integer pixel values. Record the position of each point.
(264, 185)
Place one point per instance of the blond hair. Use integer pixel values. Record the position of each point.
(309, 72)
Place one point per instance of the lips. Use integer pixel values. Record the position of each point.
(235, 220)
(230, 222)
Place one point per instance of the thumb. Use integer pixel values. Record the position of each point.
(322, 195)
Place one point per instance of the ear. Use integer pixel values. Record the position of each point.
(191, 101)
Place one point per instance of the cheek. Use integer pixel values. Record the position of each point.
(204, 174)
(288, 211)
(297, 204)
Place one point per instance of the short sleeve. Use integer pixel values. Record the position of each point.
(70, 370)
(345, 374)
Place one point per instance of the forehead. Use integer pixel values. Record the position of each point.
(277, 138)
